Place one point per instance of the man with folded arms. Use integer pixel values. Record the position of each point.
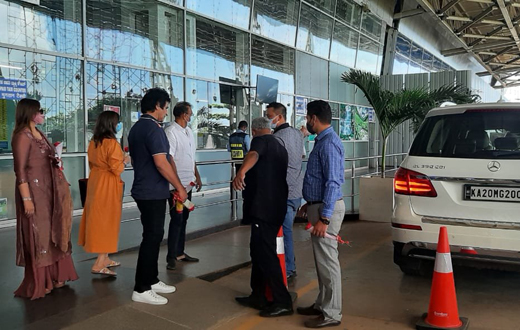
(325, 211)
(264, 174)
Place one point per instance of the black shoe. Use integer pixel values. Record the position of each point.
(321, 322)
(247, 301)
(291, 278)
(311, 310)
(188, 258)
(275, 311)
(171, 265)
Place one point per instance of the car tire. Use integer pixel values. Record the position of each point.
(409, 265)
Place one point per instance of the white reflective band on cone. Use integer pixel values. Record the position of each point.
(443, 263)
(279, 246)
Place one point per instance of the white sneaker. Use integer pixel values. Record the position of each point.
(149, 297)
(161, 287)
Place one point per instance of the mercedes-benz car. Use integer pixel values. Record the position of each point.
(463, 172)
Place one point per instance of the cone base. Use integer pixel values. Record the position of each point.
(422, 325)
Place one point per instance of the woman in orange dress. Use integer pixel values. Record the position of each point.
(43, 207)
(99, 227)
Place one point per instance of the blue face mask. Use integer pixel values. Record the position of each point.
(119, 127)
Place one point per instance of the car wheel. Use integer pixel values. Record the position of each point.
(409, 265)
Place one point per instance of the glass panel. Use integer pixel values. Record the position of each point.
(417, 53)
(344, 45)
(349, 12)
(427, 60)
(367, 55)
(74, 168)
(437, 64)
(148, 35)
(233, 12)
(274, 61)
(403, 46)
(54, 25)
(54, 81)
(276, 19)
(372, 26)
(123, 88)
(214, 120)
(400, 65)
(288, 101)
(314, 32)
(414, 68)
(334, 107)
(325, 5)
(215, 51)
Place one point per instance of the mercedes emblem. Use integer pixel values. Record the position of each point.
(493, 166)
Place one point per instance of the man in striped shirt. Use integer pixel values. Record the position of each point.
(325, 210)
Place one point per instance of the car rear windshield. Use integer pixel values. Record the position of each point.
(488, 134)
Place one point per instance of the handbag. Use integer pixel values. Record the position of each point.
(83, 190)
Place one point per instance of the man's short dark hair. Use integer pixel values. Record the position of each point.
(153, 97)
(242, 124)
(321, 110)
(279, 109)
(180, 108)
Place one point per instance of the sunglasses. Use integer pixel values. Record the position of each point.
(41, 111)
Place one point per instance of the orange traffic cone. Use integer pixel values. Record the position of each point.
(443, 312)
(280, 251)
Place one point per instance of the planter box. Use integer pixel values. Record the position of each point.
(375, 199)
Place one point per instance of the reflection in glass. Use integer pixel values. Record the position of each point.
(403, 46)
(54, 25)
(344, 45)
(233, 12)
(314, 32)
(367, 55)
(417, 53)
(127, 32)
(325, 5)
(414, 68)
(288, 102)
(215, 51)
(54, 81)
(349, 12)
(214, 120)
(273, 61)
(427, 61)
(276, 19)
(372, 26)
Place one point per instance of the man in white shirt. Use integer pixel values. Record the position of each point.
(182, 149)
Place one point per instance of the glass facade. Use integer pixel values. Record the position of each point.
(81, 57)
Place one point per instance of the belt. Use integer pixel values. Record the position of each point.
(320, 202)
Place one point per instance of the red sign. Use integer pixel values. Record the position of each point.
(112, 108)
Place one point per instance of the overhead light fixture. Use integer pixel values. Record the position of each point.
(10, 67)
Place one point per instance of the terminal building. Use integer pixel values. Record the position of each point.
(82, 57)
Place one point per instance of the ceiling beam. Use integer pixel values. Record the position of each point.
(468, 19)
(503, 51)
(426, 5)
(511, 75)
(448, 6)
(484, 36)
(486, 73)
(475, 19)
(505, 12)
(486, 46)
(409, 13)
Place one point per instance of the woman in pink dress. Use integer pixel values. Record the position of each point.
(43, 207)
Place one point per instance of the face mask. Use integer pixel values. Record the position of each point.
(272, 124)
(119, 127)
(310, 129)
(188, 120)
(38, 119)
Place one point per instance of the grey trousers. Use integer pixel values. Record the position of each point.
(326, 259)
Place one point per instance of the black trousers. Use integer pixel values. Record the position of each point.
(266, 268)
(177, 230)
(152, 219)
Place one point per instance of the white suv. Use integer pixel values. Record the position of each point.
(463, 172)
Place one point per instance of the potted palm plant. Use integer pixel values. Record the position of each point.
(392, 109)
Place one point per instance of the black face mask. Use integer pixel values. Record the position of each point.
(310, 129)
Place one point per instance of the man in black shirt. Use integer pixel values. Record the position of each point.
(264, 174)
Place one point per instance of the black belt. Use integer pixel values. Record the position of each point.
(320, 202)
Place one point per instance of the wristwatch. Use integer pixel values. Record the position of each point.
(325, 221)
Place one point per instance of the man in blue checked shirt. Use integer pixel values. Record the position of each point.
(325, 211)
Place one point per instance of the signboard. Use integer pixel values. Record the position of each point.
(112, 108)
(12, 89)
(371, 116)
(301, 105)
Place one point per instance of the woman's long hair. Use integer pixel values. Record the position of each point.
(26, 109)
(105, 127)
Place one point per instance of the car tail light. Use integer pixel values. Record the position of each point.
(407, 182)
(403, 226)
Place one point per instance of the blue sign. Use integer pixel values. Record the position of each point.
(4, 145)
(301, 106)
(12, 89)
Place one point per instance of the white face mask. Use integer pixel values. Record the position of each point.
(39, 119)
(272, 124)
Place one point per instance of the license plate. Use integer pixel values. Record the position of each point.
(492, 193)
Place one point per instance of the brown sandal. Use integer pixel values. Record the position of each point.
(58, 285)
(104, 271)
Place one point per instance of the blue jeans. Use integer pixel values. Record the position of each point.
(290, 261)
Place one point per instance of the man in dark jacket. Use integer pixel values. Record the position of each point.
(264, 174)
